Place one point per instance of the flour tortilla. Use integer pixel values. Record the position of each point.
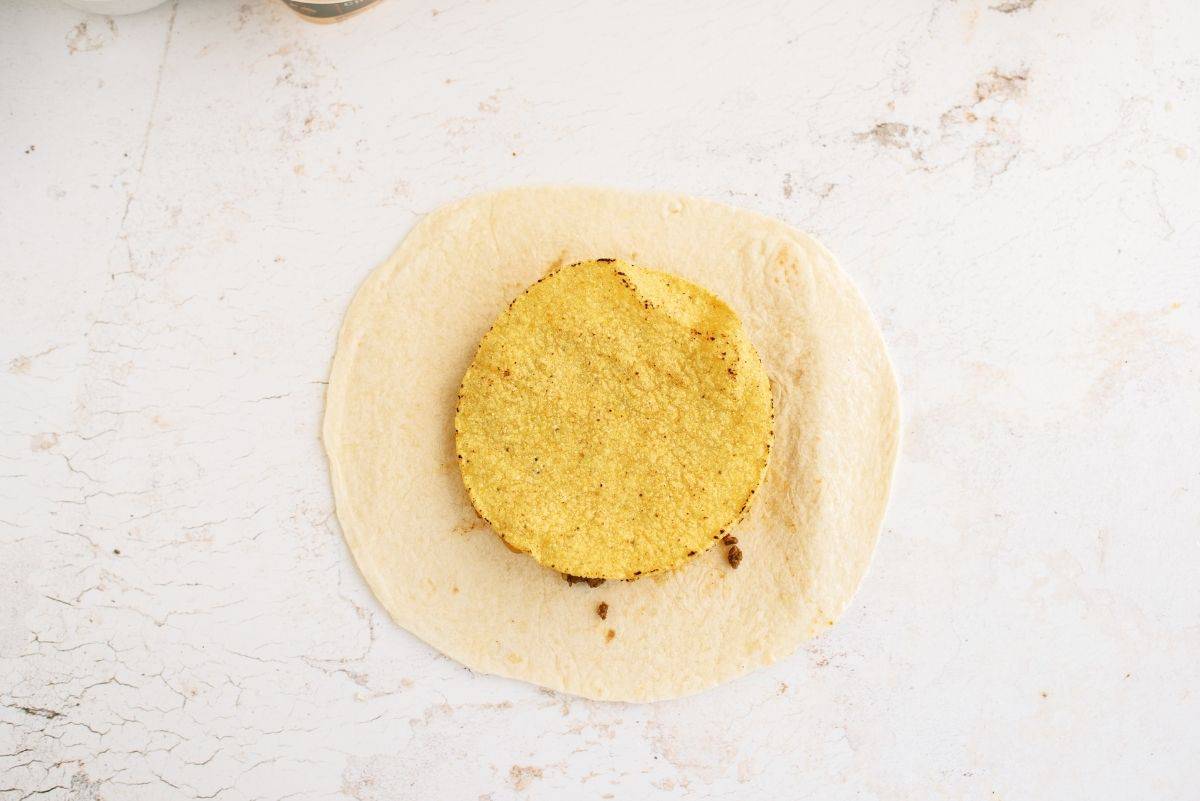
(410, 334)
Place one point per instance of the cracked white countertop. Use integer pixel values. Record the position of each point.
(192, 195)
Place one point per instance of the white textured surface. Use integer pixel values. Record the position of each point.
(191, 196)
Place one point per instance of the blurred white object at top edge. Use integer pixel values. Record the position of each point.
(114, 6)
(312, 10)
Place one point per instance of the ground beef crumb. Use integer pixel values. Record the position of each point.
(591, 582)
(729, 539)
(734, 556)
(602, 611)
